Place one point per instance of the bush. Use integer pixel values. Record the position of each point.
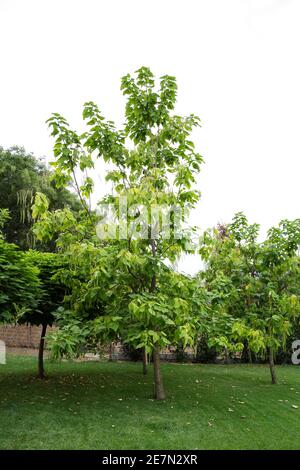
(132, 354)
(205, 353)
(181, 355)
(19, 283)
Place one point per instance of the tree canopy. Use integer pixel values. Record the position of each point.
(255, 283)
(19, 283)
(128, 290)
(22, 175)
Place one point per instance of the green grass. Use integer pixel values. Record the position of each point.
(94, 405)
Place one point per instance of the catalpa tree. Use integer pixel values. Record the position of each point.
(128, 290)
(255, 284)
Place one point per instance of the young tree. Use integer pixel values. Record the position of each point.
(19, 283)
(28, 290)
(152, 164)
(255, 283)
(51, 296)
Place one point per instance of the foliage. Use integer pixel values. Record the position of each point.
(255, 283)
(52, 291)
(204, 352)
(19, 283)
(131, 353)
(125, 290)
(28, 290)
(22, 176)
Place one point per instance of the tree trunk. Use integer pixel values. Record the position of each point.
(272, 367)
(110, 356)
(249, 355)
(41, 352)
(145, 361)
(226, 357)
(159, 392)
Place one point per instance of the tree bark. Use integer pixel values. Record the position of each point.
(145, 362)
(249, 355)
(226, 357)
(272, 366)
(159, 392)
(41, 352)
(110, 356)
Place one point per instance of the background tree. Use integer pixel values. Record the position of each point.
(22, 175)
(29, 292)
(51, 297)
(19, 283)
(255, 283)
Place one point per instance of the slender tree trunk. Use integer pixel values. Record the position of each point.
(272, 367)
(159, 392)
(41, 352)
(110, 356)
(226, 357)
(145, 361)
(249, 355)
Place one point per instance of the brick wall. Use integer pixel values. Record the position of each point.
(21, 336)
(28, 336)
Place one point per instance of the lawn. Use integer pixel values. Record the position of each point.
(92, 405)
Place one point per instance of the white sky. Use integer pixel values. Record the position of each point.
(237, 65)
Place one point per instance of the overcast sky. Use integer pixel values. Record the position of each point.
(237, 65)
